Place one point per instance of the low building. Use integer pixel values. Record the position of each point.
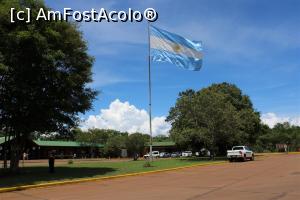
(65, 149)
(40, 149)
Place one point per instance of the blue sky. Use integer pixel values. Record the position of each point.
(253, 44)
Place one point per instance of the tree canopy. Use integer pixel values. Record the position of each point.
(281, 133)
(113, 141)
(215, 118)
(161, 138)
(96, 136)
(44, 72)
(114, 145)
(136, 144)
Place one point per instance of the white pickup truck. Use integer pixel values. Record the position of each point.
(240, 153)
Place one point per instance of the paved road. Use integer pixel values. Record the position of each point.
(273, 178)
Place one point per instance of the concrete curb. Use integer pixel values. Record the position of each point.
(55, 183)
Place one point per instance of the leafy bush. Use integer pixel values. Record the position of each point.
(147, 164)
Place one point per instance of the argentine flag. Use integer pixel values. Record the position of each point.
(172, 48)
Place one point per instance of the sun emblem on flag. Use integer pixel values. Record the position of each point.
(177, 48)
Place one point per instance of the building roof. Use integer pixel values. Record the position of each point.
(2, 139)
(50, 143)
(54, 143)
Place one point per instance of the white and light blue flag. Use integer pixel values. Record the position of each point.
(172, 48)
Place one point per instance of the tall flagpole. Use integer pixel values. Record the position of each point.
(149, 78)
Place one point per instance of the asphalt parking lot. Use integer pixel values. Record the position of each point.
(270, 178)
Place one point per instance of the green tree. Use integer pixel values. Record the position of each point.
(97, 136)
(216, 118)
(249, 118)
(281, 133)
(135, 144)
(94, 137)
(285, 133)
(44, 72)
(161, 138)
(295, 138)
(114, 145)
(261, 144)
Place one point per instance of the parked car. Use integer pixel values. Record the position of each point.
(164, 155)
(203, 152)
(186, 154)
(240, 153)
(175, 154)
(155, 154)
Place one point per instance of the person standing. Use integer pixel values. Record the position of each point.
(51, 162)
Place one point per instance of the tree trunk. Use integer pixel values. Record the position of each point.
(6, 146)
(92, 152)
(4, 152)
(15, 156)
(4, 160)
(135, 156)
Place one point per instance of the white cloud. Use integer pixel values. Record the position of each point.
(125, 117)
(271, 119)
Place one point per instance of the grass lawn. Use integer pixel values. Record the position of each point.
(39, 174)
